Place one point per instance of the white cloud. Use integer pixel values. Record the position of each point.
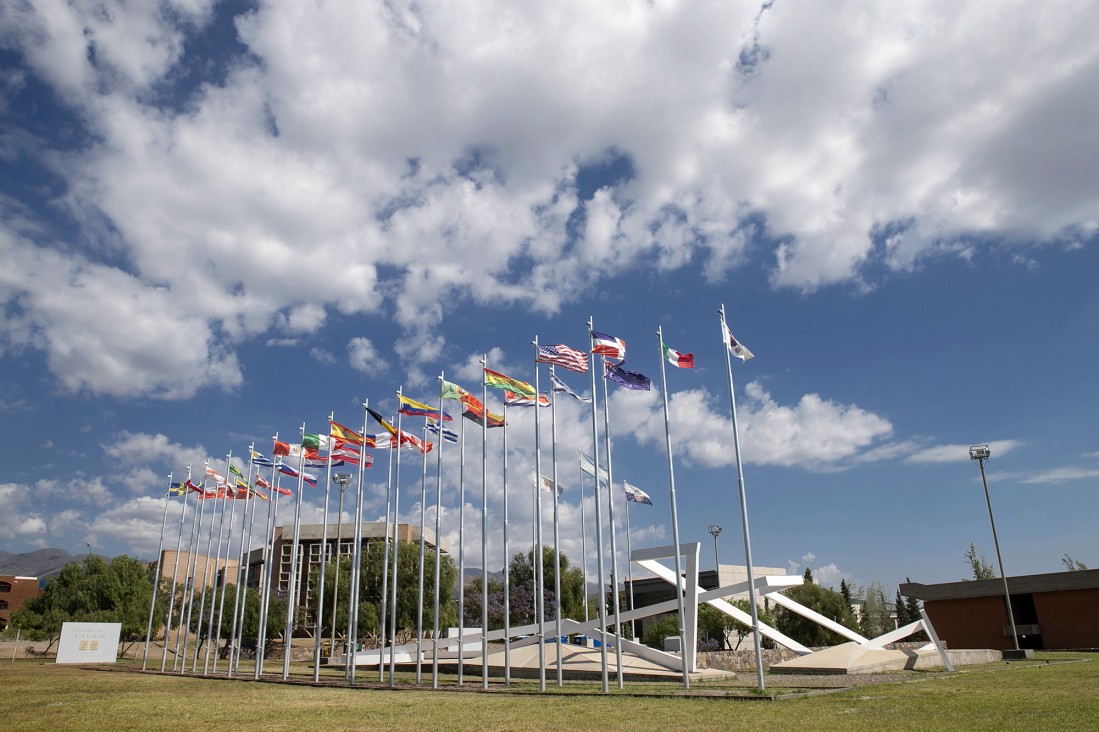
(860, 138)
(362, 356)
(959, 452)
(31, 525)
(1052, 476)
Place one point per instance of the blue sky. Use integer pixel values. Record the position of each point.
(219, 220)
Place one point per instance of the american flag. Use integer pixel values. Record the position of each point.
(563, 356)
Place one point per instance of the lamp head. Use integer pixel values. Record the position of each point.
(979, 452)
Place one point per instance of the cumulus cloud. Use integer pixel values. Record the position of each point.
(362, 356)
(853, 138)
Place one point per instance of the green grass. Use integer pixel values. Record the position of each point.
(1056, 691)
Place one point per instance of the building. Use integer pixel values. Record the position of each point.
(206, 570)
(652, 590)
(14, 592)
(1056, 610)
(310, 553)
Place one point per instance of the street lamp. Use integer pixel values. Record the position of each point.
(714, 530)
(342, 480)
(980, 453)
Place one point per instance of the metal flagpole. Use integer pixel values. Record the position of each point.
(743, 506)
(396, 549)
(540, 565)
(556, 531)
(206, 579)
(175, 574)
(268, 566)
(355, 595)
(675, 519)
(292, 599)
(507, 557)
(156, 579)
(584, 541)
(242, 565)
(192, 575)
(462, 550)
(611, 527)
(484, 524)
(385, 560)
(629, 561)
(598, 516)
(438, 529)
(224, 569)
(423, 551)
(336, 576)
(323, 557)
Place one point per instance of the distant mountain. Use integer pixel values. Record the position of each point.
(41, 564)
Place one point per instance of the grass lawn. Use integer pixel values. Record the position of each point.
(1054, 692)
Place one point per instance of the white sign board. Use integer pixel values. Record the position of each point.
(88, 642)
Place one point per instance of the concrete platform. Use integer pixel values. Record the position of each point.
(851, 658)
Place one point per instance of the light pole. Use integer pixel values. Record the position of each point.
(715, 530)
(342, 480)
(980, 453)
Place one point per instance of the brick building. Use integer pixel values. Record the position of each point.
(1059, 610)
(14, 592)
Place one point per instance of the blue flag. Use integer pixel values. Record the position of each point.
(628, 379)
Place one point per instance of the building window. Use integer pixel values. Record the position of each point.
(3, 604)
(5, 586)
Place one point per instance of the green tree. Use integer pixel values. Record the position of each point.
(717, 626)
(845, 590)
(828, 603)
(658, 630)
(95, 591)
(981, 569)
(876, 618)
(521, 591)
(808, 576)
(1073, 565)
(276, 617)
(911, 613)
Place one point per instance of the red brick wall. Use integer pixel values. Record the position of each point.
(1068, 619)
(970, 623)
(22, 589)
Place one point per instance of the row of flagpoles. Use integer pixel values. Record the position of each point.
(345, 445)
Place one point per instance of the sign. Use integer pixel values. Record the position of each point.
(88, 642)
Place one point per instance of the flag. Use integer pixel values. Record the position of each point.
(235, 471)
(307, 477)
(675, 358)
(176, 489)
(636, 495)
(312, 443)
(381, 420)
(448, 435)
(587, 465)
(258, 458)
(323, 462)
(627, 379)
(287, 449)
(563, 356)
(608, 346)
(498, 381)
(255, 492)
(512, 399)
(476, 414)
(264, 484)
(218, 477)
(347, 435)
(193, 487)
(546, 484)
(450, 390)
(349, 455)
(735, 346)
(242, 490)
(560, 386)
(413, 408)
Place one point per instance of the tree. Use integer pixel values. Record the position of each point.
(808, 576)
(276, 617)
(912, 613)
(95, 591)
(845, 590)
(828, 603)
(658, 630)
(876, 618)
(982, 570)
(1073, 565)
(521, 591)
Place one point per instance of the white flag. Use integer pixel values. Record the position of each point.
(587, 465)
(636, 495)
(546, 483)
(735, 347)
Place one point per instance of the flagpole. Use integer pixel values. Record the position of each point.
(675, 519)
(292, 599)
(206, 578)
(225, 569)
(217, 562)
(324, 556)
(267, 568)
(385, 559)
(438, 548)
(629, 561)
(598, 516)
(484, 524)
(396, 549)
(156, 579)
(462, 550)
(743, 508)
(192, 571)
(539, 565)
(353, 596)
(175, 574)
(507, 555)
(336, 577)
(423, 552)
(242, 583)
(556, 529)
(610, 518)
(584, 542)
